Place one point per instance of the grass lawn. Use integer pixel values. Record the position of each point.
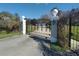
(4, 34)
(75, 32)
(56, 47)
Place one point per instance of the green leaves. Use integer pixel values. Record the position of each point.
(8, 21)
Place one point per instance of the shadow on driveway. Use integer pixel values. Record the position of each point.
(44, 46)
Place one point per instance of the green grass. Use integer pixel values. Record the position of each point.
(75, 32)
(56, 47)
(4, 34)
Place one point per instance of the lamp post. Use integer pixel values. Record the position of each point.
(24, 25)
(54, 18)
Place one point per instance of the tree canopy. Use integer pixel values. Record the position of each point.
(9, 21)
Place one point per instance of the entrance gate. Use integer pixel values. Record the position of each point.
(68, 31)
(37, 29)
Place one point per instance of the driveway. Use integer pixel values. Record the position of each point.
(21, 45)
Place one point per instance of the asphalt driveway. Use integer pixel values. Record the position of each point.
(21, 45)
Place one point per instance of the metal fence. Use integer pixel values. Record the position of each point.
(68, 33)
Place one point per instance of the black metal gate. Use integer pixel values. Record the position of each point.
(68, 31)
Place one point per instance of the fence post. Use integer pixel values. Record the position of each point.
(70, 31)
(24, 25)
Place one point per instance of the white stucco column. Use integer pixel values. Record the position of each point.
(54, 19)
(24, 25)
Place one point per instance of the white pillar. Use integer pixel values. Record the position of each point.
(53, 31)
(24, 25)
(54, 18)
(53, 37)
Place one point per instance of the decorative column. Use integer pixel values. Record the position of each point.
(24, 25)
(54, 19)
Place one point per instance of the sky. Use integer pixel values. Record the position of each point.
(30, 10)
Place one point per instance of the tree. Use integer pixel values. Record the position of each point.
(34, 21)
(9, 22)
(44, 18)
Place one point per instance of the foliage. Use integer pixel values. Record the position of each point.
(33, 21)
(75, 32)
(56, 47)
(9, 22)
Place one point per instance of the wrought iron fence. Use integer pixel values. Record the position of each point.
(68, 33)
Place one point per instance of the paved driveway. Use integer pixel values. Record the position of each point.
(19, 46)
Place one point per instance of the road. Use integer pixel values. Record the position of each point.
(21, 45)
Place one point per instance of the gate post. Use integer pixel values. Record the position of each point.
(24, 25)
(54, 19)
(70, 31)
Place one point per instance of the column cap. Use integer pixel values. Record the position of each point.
(23, 17)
